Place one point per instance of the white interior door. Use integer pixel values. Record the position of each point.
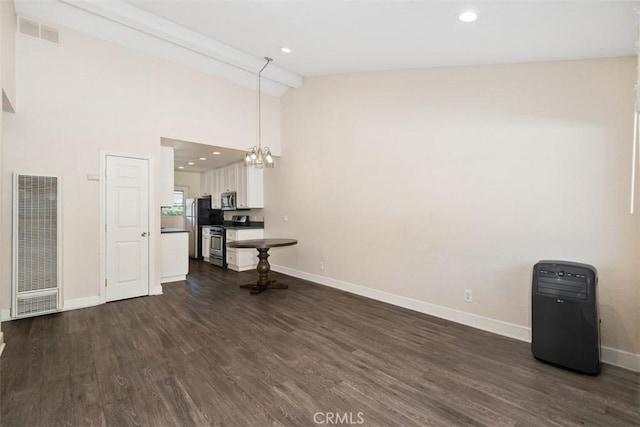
(127, 227)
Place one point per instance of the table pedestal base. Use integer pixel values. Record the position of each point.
(273, 284)
(263, 275)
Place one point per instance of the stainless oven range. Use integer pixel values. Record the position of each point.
(218, 246)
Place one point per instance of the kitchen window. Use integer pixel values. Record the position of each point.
(179, 197)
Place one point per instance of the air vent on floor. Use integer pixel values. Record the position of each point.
(35, 29)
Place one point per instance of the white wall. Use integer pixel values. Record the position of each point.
(191, 180)
(86, 95)
(425, 183)
(8, 24)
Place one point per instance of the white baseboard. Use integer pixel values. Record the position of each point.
(620, 358)
(1, 342)
(609, 355)
(70, 304)
(157, 290)
(73, 304)
(172, 279)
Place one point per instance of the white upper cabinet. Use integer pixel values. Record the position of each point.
(228, 178)
(204, 186)
(250, 186)
(206, 183)
(247, 182)
(214, 182)
(165, 170)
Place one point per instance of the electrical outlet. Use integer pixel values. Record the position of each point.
(468, 295)
(321, 265)
(285, 218)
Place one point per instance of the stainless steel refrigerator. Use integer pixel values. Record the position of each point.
(198, 213)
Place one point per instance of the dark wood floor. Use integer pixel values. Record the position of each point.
(208, 353)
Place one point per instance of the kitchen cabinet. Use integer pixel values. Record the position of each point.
(247, 182)
(228, 178)
(165, 168)
(206, 243)
(250, 186)
(174, 256)
(242, 259)
(204, 187)
(232, 177)
(213, 185)
(206, 181)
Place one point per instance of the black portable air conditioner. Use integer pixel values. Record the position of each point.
(565, 327)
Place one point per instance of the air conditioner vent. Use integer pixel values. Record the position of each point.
(35, 29)
(29, 28)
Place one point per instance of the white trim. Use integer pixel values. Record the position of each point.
(609, 355)
(156, 290)
(103, 218)
(74, 304)
(487, 324)
(70, 304)
(2, 345)
(622, 359)
(170, 279)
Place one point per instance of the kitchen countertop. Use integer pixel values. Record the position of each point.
(173, 230)
(229, 226)
(243, 227)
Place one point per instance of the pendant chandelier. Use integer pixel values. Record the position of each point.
(259, 156)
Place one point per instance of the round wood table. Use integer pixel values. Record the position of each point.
(263, 246)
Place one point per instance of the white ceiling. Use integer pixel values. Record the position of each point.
(350, 36)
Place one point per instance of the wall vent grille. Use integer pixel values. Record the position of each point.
(35, 29)
(36, 253)
(39, 304)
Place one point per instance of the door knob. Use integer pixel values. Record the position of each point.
(144, 234)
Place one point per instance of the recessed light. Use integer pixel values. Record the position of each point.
(191, 163)
(180, 167)
(203, 158)
(217, 153)
(468, 16)
(285, 49)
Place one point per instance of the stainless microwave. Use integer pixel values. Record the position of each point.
(228, 201)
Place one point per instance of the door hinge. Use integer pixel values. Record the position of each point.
(105, 283)
(105, 228)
